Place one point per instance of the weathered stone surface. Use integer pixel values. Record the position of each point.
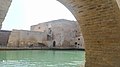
(24, 38)
(57, 33)
(64, 32)
(100, 23)
(4, 36)
(4, 5)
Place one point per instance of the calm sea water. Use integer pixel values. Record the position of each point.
(41, 58)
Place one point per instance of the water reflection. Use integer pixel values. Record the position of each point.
(41, 58)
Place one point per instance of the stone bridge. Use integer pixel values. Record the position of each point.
(4, 5)
(100, 25)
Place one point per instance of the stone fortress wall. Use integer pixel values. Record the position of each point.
(4, 36)
(24, 38)
(57, 33)
(64, 33)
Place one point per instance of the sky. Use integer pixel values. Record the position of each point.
(24, 13)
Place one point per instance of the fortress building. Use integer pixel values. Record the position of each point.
(57, 33)
(64, 33)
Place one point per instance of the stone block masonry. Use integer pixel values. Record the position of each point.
(4, 36)
(24, 38)
(4, 5)
(61, 32)
(100, 23)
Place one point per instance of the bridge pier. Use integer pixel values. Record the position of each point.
(4, 5)
(100, 24)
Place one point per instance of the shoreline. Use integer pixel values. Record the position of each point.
(39, 48)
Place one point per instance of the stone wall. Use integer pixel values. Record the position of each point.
(23, 38)
(78, 42)
(4, 36)
(63, 32)
(100, 24)
(58, 33)
(4, 5)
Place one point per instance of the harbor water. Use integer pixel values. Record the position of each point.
(41, 58)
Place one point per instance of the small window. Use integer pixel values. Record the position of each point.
(78, 38)
(38, 27)
(75, 43)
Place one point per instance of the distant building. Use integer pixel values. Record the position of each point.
(24, 38)
(56, 33)
(61, 33)
(4, 36)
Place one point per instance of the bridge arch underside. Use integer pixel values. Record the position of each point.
(100, 23)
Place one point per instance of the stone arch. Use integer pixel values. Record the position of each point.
(100, 23)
